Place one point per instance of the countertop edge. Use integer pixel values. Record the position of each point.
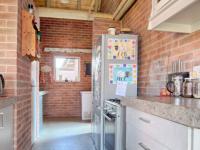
(185, 116)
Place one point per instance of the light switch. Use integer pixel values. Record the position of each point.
(1, 120)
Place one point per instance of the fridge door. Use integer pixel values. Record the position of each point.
(97, 117)
(109, 89)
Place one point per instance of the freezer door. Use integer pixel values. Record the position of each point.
(97, 129)
(97, 123)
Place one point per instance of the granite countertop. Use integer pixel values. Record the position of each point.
(42, 93)
(184, 111)
(7, 101)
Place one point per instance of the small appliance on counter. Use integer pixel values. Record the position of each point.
(2, 85)
(175, 83)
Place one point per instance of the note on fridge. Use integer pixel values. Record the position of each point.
(121, 88)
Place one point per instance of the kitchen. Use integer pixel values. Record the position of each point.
(168, 42)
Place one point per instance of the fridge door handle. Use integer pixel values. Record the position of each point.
(1, 120)
(108, 118)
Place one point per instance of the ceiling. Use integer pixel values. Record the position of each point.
(88, 9)
(105, 6)
(65, 4)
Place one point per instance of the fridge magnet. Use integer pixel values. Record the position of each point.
(124, 49)
(123, 72)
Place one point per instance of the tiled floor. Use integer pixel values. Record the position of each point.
(59, 134)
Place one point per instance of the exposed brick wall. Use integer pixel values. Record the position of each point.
(8, 44)
(16, 70)
(100, 27)
(109, 6)
(66, 33)
(63, 99)
(159, 49)
(23, 107)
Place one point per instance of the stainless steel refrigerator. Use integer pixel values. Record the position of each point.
(114, 60)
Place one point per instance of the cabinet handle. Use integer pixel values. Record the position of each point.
(144, 120)
(143, 146)
(1, 120)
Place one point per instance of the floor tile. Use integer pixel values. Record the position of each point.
(65, 134)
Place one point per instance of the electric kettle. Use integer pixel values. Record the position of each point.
(175, 85)
(2, 85)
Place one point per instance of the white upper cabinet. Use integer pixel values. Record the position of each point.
(175, 16)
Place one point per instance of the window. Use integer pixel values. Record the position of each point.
(67, 69)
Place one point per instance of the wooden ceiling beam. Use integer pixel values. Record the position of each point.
(99, 6)
(122, 8)
(48, 3)
(92, 5)
(71, 14)
(79, 4)
(96, 5)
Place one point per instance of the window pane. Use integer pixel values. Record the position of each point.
(67, 69)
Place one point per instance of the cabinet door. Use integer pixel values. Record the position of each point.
(6, 128)
(162, 4)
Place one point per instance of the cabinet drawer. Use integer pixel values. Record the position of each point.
(6, 128)
(138, 140)
(170, 134)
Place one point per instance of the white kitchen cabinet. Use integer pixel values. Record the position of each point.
(175, 16)
(6, 128)
(146, 131)
(86, 100)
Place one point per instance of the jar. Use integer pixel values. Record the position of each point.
(196, 88)
(187, 88)
(111, 31)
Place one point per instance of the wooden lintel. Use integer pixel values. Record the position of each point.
(67, 50)
(71, 14)
(65, 14)
(102, 15)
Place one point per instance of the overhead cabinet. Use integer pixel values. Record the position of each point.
(175, 16)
